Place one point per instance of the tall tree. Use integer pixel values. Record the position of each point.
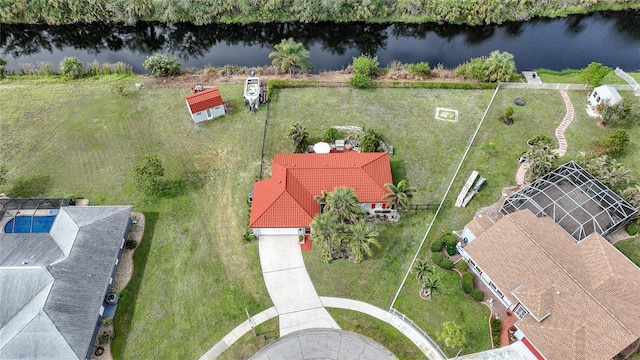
(422, 269)
(594, 73)
(431, 285)
(400, 195)
(147, 175)
(299, 137)
(362, 236)
(344, 203)
(290, 56)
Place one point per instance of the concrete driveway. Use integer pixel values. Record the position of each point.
(290, 287)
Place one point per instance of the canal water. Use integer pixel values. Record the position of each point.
(611, 38)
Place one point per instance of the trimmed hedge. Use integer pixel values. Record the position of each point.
(451, 250)
(467, 282)
(477, 295)
(449, 239)
(463, 266)
(436, 245)
(495, 332)
(440, 260)
(435, 85)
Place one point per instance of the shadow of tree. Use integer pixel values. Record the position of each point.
(192, 180)
(30, 187)
(129, 296)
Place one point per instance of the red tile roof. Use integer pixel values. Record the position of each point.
(287, 198)
(204, 100)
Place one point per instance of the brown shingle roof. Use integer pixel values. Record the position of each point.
(478, 225)
(589, 289)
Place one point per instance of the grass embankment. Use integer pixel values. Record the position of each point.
(193, 275)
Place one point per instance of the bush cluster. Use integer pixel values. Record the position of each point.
(162, 65)
(364, 68)
(615, 144)
(495, 332)
(498, 66)
(421, 68)
(71, 68)
(632, 229)
(441, 261)
(463, 266)
(469, 287)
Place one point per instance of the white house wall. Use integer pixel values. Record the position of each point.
(467, 234)
(217, 111)
(199, 117)
(278, 231)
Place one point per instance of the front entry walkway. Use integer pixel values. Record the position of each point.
(290, 286)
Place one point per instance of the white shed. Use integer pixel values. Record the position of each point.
(205, 105)
(604, 94)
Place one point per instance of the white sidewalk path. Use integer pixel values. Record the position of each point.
(298, 305)
(290, 286)
(412, 334)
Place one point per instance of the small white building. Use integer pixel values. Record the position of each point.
(604, 94)
(205, 105)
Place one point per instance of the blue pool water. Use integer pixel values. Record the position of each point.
(29, 224)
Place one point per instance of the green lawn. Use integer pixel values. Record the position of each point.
(194, 275)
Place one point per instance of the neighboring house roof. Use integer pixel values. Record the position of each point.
(478, 225)
(53, 284)
(608, 94)
(204, 100)
(583, 296)
(287, 198)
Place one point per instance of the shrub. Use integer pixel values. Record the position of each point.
(477, 295)
(421, 68)
(436, 245)
(495, 332)
(632, 229)
(463, 266)
(451, 250)
(104, 338)
(369, 141)
(131, 244)
(498, 66)
(467, 282)
(248, 235)
(45, 68)
(360, 81)
(3, 70)
(615, 144)
(616, 115)
(446, 264)
(594, 73)
(449, 239)
(365, 65)
(440, 260)
(437, 258)
(71, 67)
(330, 135)
(162, 65)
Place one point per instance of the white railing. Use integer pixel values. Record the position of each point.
(632, 82)
(417, 328)
(543, 86)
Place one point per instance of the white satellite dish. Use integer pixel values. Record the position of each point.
(321, 148)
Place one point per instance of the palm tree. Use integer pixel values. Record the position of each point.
(400, 195)
(344, 203)
(431, 285)
(299, 136)
(325, 231)
(541, 158)
(422, 269)
(291, 55)
(632, 195)
(361, 237)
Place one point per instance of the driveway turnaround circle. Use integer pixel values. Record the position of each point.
(324, 344)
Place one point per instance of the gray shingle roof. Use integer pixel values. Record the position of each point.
(51, 303)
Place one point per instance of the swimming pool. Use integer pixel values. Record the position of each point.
(30, 224)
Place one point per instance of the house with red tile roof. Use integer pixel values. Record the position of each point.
(285, 203)
(205, 105)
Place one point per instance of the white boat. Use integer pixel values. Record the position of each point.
(251, 94)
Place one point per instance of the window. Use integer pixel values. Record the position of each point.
(521, 311)
(500, 293)
(493, 286)
(478, 269)
(471, 262)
